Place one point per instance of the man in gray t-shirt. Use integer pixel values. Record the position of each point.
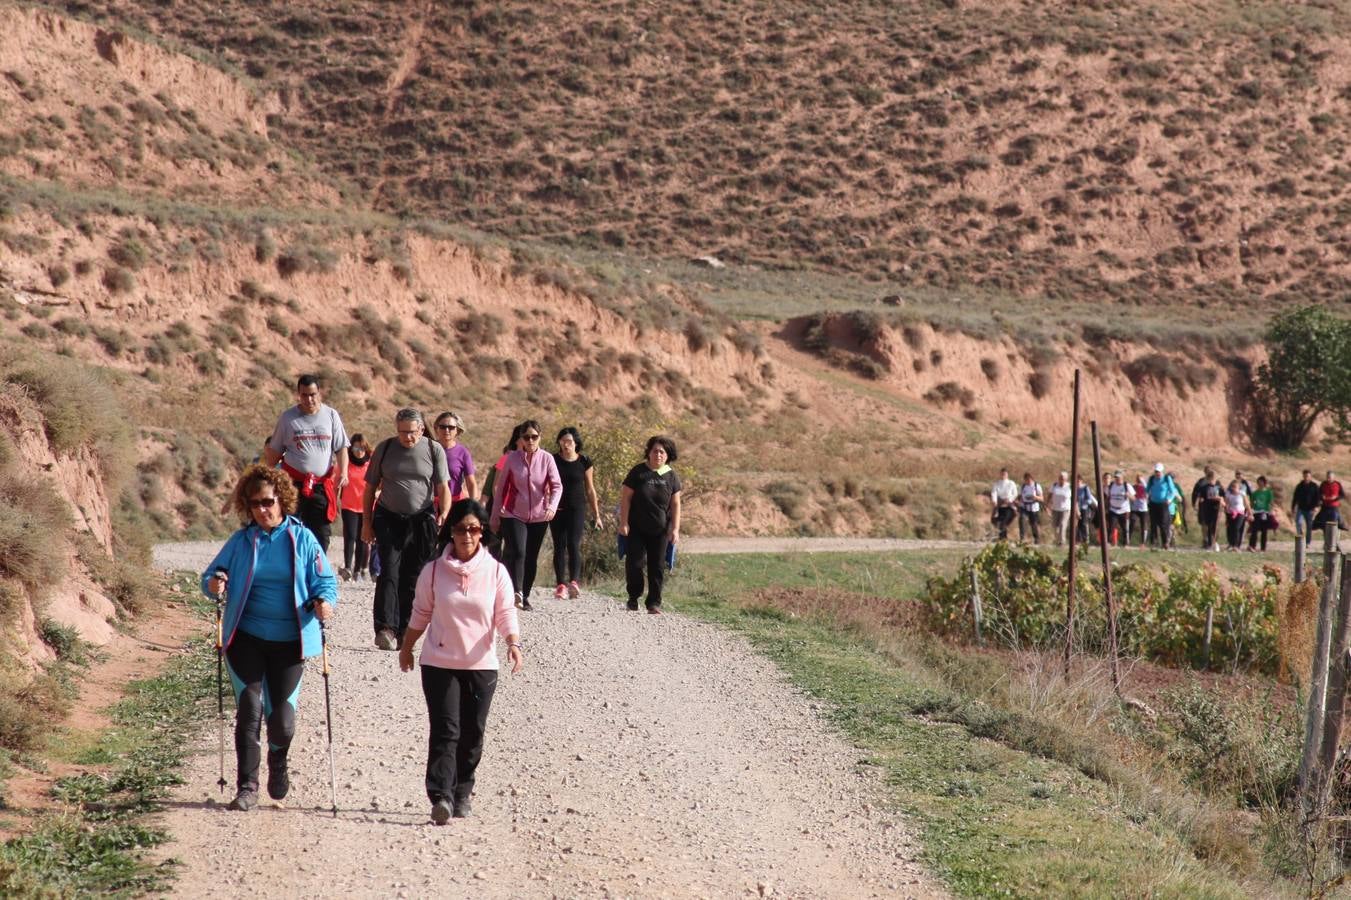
(311, 445)
(409, 473)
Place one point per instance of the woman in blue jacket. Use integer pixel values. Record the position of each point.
(279, 586)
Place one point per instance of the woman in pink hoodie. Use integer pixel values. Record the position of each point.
(463, 596)
(525, 497)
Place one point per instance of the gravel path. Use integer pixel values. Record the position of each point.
(635, 756)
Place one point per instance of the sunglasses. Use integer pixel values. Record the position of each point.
(262, 503)
(447, 427)
(530, 437)
(467, 529)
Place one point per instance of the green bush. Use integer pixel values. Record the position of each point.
(1023, 600)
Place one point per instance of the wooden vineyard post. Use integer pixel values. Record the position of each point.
(1337, 685)
(1106, 564)
(1299, 551)
(1318, 678)
(1074, 528)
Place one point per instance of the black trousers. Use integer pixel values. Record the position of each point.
(1160, 525)
(521, 557)
(1139, 526)
(1233, 528)
(1002, 519)
(404, 543)
(313, 511)
(1120, 524)
(1208, 515)
(645, 554)
(354, 549)
(265, 676)
(567, 529)
(457, 707)
(1261, 523)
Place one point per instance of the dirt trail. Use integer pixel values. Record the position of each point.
(635, 756)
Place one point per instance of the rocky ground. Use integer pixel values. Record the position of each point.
(635, 756)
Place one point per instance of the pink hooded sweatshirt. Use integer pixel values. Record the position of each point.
(528, 489)
(461, 604)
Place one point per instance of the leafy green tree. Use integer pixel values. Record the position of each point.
(1307, 375)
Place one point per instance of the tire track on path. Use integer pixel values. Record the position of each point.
(635, 756)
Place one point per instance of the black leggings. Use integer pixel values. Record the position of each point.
(567, 529)
(266, 680)
(645, 552)
(457, 707)
(1261, 522)
(352, 544)
(1139, 525)
(1234, 530)
(523, 540)
(313, 512)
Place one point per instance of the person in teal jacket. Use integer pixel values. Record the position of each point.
(279, 585)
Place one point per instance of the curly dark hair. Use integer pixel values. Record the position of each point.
(665, 442)
(253, 478)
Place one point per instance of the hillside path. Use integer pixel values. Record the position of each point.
(635, 756)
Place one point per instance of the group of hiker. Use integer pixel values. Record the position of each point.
(1150, 511)
(451, 567)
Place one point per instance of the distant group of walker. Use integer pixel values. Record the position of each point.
(412, 520)
(1150, 511)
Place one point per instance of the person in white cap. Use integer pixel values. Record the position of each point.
(1161, 490)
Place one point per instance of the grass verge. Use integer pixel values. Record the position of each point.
(1006, 803)
(94, 842)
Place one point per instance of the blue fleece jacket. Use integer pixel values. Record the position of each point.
(313, 580)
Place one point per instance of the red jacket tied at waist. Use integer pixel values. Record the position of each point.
(305, 482)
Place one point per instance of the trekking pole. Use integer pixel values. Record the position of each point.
(220, 665)
(328, 715)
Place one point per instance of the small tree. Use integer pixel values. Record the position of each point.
(1307, 374)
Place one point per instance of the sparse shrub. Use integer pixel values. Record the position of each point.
(306, 259)
(950, 392)
(1039, 383)
(277, 324)
(789, 496)
(128, 253)
(118, 280)
(58, 275)
(990, 368)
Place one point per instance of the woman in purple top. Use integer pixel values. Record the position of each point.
(459, 463)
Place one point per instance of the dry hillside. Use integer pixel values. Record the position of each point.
(1153, 153)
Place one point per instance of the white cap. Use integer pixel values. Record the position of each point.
(1158, 467)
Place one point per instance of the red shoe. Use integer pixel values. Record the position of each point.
(561, 592)
(574, 590)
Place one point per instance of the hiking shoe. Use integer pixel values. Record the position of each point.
(385, 640)
(654, 610)
(525, 605)
(519, 600)
(345, 574)
(632, 606)
(462, 808)
(574, 590)
(278, 781)
(441, 812)
(245, 800)
(561, 592)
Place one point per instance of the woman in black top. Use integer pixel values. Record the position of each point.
(649, 517)
(567, 526)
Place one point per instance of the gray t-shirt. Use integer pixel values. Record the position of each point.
(408, 477)
(309, 442)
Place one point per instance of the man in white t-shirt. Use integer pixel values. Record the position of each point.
(1062, 499)
(1003, 498)
(1118, 496)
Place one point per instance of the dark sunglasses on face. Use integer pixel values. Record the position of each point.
(530, 437)
(262, 502)
(467, 529)
(446, 426)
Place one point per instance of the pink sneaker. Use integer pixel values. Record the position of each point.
(574, 590)
(560, 592)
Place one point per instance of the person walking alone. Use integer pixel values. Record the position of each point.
(579, 496)
(1062, 501)
(1003, 500)
(649, 520)
(463, 599)
(408, 473)
(1030, 499)
(278, 587)
(355, 551)
(311, 445)
(526, 495)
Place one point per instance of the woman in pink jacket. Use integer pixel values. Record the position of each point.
(525, 498)
(463, 596)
